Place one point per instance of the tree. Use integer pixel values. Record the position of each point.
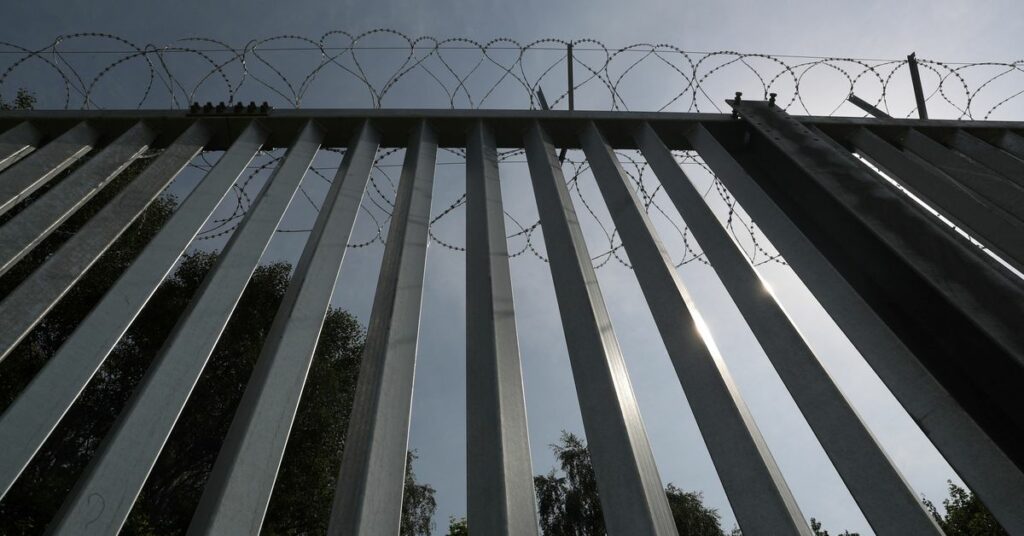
(458, 526)
(569, 505)
(818, 531)
(965, 515)
(305, 486)
(23, 100)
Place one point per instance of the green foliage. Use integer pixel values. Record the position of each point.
(418, 505)
(23, 100)
(458, 526)
(569, 505)
(818, 531)
(302, 496)
(965, 515)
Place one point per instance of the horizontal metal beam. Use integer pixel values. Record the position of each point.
(451, 126)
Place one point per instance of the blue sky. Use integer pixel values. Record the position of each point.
(949, 31)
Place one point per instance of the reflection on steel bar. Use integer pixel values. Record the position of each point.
(25, 306)
(30, 419)
(864, 105)
(915, 79)
(238, 491)
(500, 492)
(104, 495)
(975, 457)
(957, 309)
(993, 228)
(885, 498)
(44, 164)
(999, 193)
(368, 496)
(17, 142)
(988, 155)
(30, 226)
(632, 496)
(757, 491)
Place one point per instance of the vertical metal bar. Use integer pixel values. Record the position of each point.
(993, 228)
(988, 155)
(44, 164)
(915, 78)
(888, 502)
(501, 499)
(25, 306)
(18, 142)
(999, 193)
(368, 497)
(632, 496)
(569, 74)
(30, 226)
(954, 307)
(974, 456)
(1012, 143)
(103, 497)
(867, 107)
(30, 419)
(238, 491)
(757, 491)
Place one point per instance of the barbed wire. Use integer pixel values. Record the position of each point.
(387, 68)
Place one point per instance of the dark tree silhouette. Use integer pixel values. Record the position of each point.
(965, 515)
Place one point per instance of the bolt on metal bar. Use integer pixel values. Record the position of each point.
(942, 296)
(915, 79)
(368, 497)
(239, 488)
(44, 164)
(757, 491)
(33, 415)
(993, 228)
(867, 107)
(17, 142)
(30, 226)
(632, 497)
(885, 498)
(500, 490)
(999, 193)
(26, 305)
(119, 469)
(988, 155)
(967, 448)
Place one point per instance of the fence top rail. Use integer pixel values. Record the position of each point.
(452, 125)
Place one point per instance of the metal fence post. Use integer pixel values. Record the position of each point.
(368, 496)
